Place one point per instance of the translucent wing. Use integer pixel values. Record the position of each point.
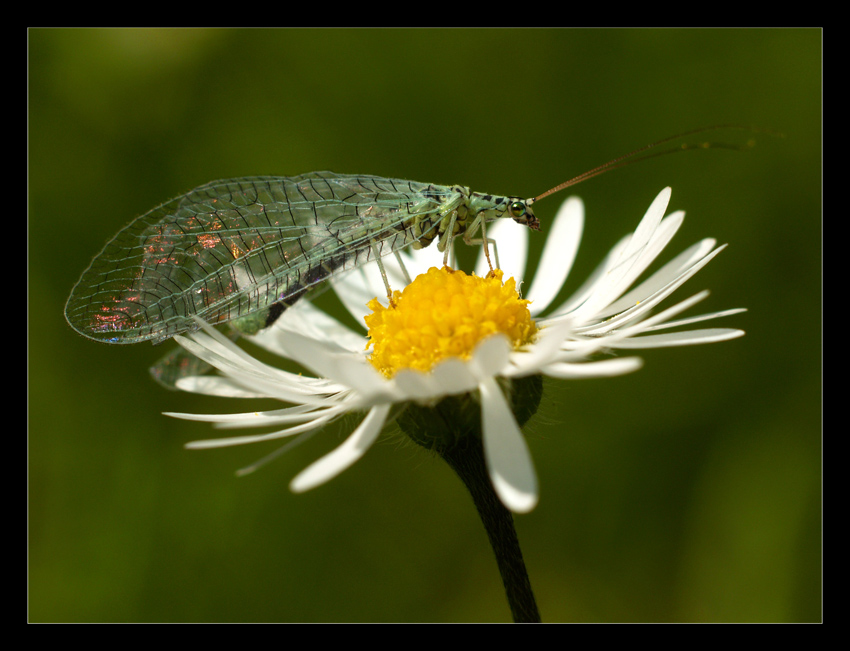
(233, 247)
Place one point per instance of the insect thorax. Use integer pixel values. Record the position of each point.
(434, 222)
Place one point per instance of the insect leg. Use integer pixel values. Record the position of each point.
(477, 223)
(403, 268)
(383, 271)
(487, 241)
(447, 238)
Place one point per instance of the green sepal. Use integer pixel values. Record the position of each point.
(456, 418)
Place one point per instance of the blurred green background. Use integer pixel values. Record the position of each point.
(689, 491)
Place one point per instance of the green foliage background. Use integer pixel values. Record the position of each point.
(689, 491)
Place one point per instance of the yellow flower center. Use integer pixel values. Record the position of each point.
(445, 313)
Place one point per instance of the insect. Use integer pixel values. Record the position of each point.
(243, 250)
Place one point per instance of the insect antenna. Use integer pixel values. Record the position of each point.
(628, 159)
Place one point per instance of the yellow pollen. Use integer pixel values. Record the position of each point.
(445, 313)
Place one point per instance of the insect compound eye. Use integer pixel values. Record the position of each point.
(517, 209)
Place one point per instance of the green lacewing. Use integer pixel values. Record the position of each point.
(243, 250)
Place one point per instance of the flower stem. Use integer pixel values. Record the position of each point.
(467, 460)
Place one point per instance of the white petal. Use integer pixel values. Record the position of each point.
(415, 385)
(645, 305)
(418, 261)
(632, 259)
(258, 438)
(593, 282)
(247, 470)
(297, 414)
(355, 291)
(354, 447)
(558, 255)
(541, 351)
(603, 368)
(644, 258)
(356, 372)
(256, 376)
(212, 385)
(512, 248)
(223, 355)
(454, 376)
(309, 320)
(506, 452)
(695, 319)
(578, 350)
(490, 357)
(610, 337)
(397, 276)
(252, 374)
(326, 359)
(651, 220)
(662, 277)
(687, 338)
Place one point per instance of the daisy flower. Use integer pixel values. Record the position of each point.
(461, 335)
